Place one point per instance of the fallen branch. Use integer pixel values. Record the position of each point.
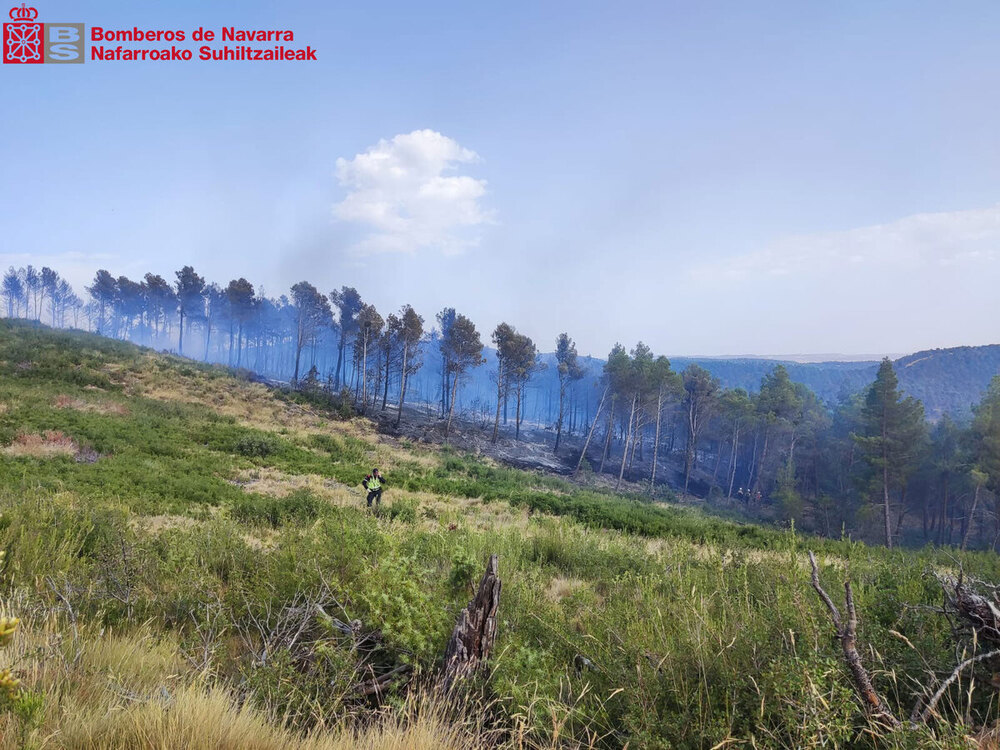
(977, 611)
(380, 684)
(847, 633)
(923, 716)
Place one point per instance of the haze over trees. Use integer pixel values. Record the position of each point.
(865, 461)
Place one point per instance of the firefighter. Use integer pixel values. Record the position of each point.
(373, 483)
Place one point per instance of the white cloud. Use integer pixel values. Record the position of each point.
(921, 241)
(405, 193)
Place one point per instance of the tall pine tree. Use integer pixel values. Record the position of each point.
(893, 431)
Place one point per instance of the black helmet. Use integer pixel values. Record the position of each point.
(374, 471)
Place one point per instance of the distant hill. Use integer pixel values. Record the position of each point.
(947, 381)
(829, 380)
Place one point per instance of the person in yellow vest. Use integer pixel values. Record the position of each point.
(373, 483)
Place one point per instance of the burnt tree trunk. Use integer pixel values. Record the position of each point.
(475, 632)
(590, 434)
(607, 435)
(628, 439)
(734, 458)
(972, 517)
(402, 384)
(656, 441)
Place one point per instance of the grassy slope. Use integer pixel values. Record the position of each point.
(214, 502)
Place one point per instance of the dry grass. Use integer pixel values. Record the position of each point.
(250, 403)
(708, 552)
(254, 405)
(473, 511)
(560, 587)
(48, 444)
(109, 691)
(156, 524)
(99, 407)
(275, 483)
(260, 540)
(197, 718)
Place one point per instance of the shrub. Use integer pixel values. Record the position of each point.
(299, 507)
(464, 569)
(404, 510)
(255, 446)
(405, 609)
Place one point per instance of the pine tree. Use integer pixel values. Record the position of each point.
(616, 371)
(240, 294)
(701, 392)
(190, 299)
(986, 442)
(465, 350)
(389, 344)
(569, 370)
(777, 404)
(666, 386)
(312, 310)
(103, 291)
(411, 329)
(503, 338)
(13, 292)
(445, 319)
(986, 435)
(370, 326)
(523, 365)
(893, 431)
(348, 304)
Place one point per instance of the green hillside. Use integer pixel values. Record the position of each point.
(193, 566)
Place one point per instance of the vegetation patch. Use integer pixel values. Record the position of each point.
(64, 401)
(48, 444)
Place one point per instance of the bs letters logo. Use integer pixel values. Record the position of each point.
(25, 41)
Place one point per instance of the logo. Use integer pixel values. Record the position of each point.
(27, 42)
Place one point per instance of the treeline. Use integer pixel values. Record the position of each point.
(331, 340)
(869, 464)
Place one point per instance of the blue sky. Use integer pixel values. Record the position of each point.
(711, 178)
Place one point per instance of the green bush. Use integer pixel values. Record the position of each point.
(464, 569)
(403, 510)
(255, 446)
(297, 508)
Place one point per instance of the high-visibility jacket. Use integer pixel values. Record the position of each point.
(373, 483)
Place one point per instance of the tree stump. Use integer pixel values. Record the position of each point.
(475, 631)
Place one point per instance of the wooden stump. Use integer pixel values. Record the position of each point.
(475, 631)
